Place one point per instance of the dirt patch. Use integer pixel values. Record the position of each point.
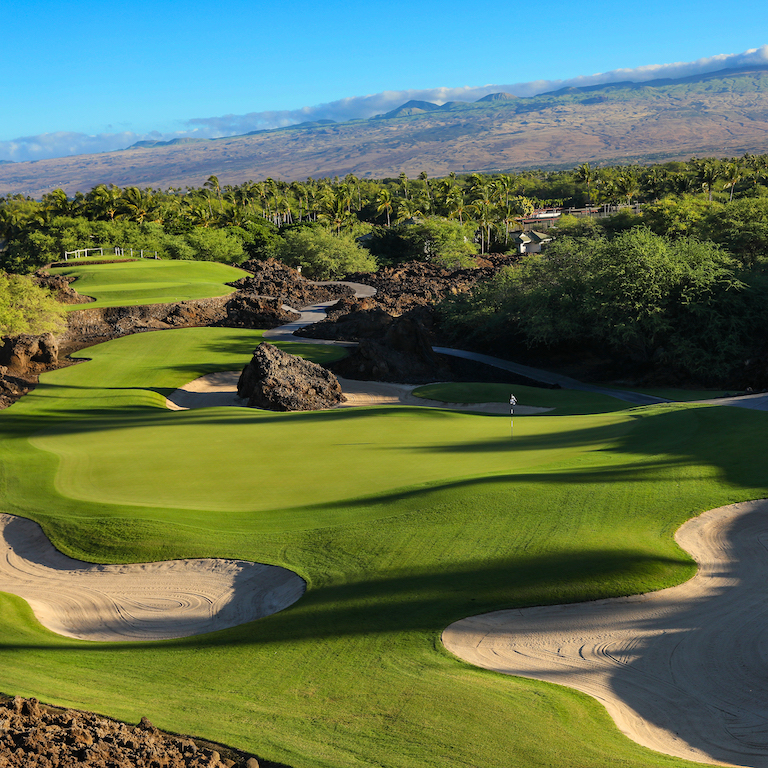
(33, 735)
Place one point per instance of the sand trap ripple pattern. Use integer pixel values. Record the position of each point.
(683, 671)
(149, 601)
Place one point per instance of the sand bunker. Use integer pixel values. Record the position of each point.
(149, 601)
(682, 671)
(217, 389)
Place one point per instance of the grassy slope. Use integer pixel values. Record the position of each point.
(148, 281)
(354, 674)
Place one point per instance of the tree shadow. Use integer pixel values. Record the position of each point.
(420, 599)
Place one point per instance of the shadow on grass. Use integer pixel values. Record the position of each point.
(419, 599)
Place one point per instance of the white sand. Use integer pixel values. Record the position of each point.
(150, 601)
(217, 389)
(683, 671)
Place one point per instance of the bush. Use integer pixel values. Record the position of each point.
(645, 296)
(25, 307)
(323, 255)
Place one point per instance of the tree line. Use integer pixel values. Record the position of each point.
(679, 282)
(446, 219)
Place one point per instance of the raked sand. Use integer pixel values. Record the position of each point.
(683, 671)
(147, 601)
(220, 389)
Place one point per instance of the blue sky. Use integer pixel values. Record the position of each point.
(86, 76)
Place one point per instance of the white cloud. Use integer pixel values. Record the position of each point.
(63, 143)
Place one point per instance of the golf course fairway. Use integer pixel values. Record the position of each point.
(400, 521)
(147, 281)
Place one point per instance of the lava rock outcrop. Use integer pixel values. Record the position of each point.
(273, 278)
(402, 354)
(34, 736)
(278, 381)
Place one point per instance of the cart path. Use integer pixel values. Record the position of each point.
(145, 601)
(682, 671)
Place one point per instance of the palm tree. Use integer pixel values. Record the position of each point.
(300, 192)
(709, 171)
(137, 204)
(486, 215)
(408, 209)
(732, 173)
(456, 205)
(585, 175)
(354, 182)
(626, 184)
(404, 184)
(197, 213)
(384, 201)
(213, 184)
(335, 210)
(104, 201)
(56, 203)
(423, 176)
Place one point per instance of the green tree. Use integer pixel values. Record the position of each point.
(585, 175)
(323, 255)
(441, 241)
(385, 204)
(25, 307)
(644, 296)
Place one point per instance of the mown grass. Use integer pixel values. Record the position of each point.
(148, 281)
(563, 402)
(428, 518)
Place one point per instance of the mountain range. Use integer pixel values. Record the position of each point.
(721, 113)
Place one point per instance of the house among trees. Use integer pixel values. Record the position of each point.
(530, 242)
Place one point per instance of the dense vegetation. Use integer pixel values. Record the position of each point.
(26, 307)
(678, 280)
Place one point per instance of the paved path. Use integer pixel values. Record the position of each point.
(317, 312)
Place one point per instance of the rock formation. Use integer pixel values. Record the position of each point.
(59, 285)
(278, 381)
(403, 354)
(19, 353)
(272, 278)
(33, 736)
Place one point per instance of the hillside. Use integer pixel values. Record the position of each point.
(720, 113)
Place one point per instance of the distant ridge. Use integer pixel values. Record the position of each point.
(501, 96)
(171, 143)
(410, 108)
(721, 114)
(299, 126)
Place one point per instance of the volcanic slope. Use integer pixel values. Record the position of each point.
(720, 113)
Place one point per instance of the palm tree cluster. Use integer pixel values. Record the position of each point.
(494, 203)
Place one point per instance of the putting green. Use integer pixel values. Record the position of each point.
(148, 281)
(439, 516)
(237, 460)
(564, 402)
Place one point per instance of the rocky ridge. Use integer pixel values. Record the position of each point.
(273, 278)
(59, 286)
(36, 736)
